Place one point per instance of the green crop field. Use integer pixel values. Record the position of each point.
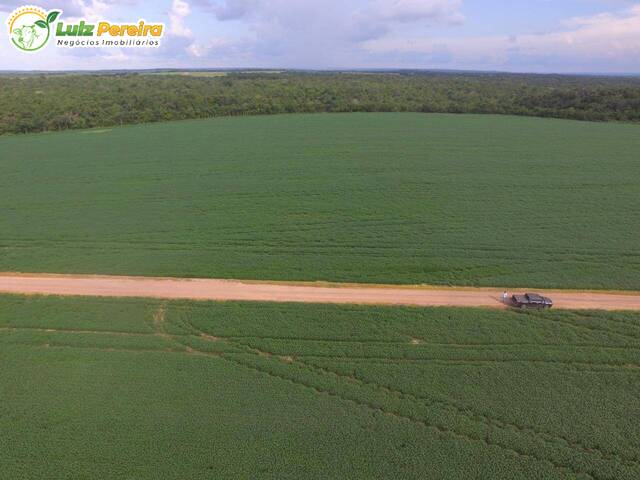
(387, 198)
(106, 388)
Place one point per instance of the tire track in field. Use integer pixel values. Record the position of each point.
(469, 361)
(574, 366)
(634, 325)
(418, 341)
(159, 331)
(160, 322)
(476, 416)
(370, 359)
(400, 416)
(403, 396)
(590, 328)
(494, 421)
(615, 321)
(179, 351)
(160, 319)
(75, 331)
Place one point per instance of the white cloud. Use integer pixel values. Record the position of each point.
(92, 10)
(116, 56)
(231, 9)
(88, 9)
(406, 11)
(604, 35)
(320, 34)
(199, 50)
(376, 10)
(180, 9)
(585, 44)
(346, 34)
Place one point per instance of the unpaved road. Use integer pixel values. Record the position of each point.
(210, 289)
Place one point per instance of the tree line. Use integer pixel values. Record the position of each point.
(43, 102)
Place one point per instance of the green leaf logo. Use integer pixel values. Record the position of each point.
(41, 24)
(52, 16)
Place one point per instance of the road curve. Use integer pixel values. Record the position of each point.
(211, 289)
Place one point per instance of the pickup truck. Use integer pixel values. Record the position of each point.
(531, 300)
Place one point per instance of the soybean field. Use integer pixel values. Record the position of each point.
(150, 389)
(369, 197)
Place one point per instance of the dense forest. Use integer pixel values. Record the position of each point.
(41, 102)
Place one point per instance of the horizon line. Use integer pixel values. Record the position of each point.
(321, 70)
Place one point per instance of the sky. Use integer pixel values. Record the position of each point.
(544, 36)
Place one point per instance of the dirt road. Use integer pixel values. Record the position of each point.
(210, 289)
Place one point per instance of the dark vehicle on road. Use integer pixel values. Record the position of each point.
(531, 300)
